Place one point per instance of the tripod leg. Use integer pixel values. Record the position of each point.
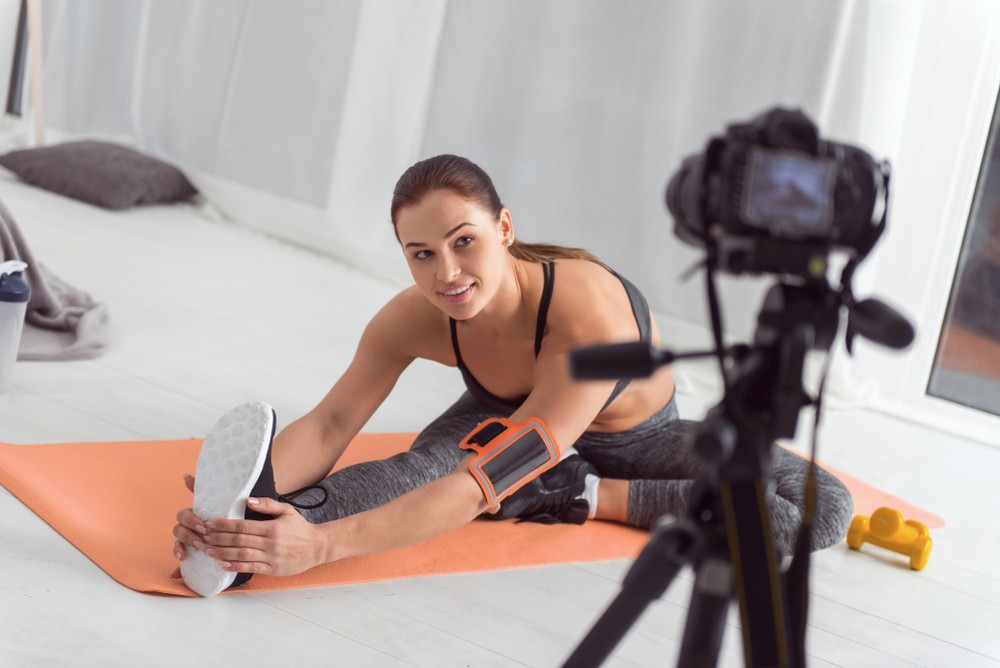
(757, 583)
(654, 569)
(706, 620)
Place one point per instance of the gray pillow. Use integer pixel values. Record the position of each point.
(101, 173)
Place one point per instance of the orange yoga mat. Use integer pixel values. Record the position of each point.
(116, 503)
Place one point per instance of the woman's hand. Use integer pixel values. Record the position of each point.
(189, 529)
(286, 545)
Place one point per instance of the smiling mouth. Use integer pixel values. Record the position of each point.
(456, 294)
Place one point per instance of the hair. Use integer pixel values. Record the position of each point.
(466, 179)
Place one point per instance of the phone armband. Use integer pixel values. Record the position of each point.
(508, 455)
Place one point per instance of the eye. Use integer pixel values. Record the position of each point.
(463, 241)
(422, 255)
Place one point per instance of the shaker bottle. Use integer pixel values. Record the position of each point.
(14, 294)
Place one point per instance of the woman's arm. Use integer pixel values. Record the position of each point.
(568, 408)
(596, 311)
(290, 545)
(406, 328)
(589, 307)
(305, 451)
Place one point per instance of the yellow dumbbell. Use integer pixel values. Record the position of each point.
(887, 529)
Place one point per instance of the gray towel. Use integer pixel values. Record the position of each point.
(62, 322)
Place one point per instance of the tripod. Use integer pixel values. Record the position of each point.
(725, 534)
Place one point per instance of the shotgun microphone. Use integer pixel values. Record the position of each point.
(636, 359)
(877, 321)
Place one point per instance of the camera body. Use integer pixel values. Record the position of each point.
(771, 196)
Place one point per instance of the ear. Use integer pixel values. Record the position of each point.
(506, 227)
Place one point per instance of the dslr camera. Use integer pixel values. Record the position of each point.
(771, 196)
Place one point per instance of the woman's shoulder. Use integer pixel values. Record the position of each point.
(588, 280)
(588, 301)
(587, 270)
(410, 325)
(409, 313)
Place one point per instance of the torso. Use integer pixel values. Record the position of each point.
(504, 361)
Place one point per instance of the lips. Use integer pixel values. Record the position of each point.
(456, 294)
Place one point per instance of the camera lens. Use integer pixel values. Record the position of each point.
(684, 194)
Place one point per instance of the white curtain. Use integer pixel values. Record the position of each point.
(582, 111)
(297, 117)
(247, 91)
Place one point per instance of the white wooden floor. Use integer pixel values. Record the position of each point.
(208, 315)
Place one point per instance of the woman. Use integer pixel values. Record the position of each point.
(507, 314)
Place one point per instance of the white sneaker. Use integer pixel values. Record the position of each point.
(231, 460)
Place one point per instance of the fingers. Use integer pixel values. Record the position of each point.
(254, 540)
(193, 532)
(245, 546)
(190, 529)
(238, 540)
(187, 518)
(236, 527)
(270, 506)
(236, 552)
(186, 540)
(240, 555)
(181, 553)
(253, 527)
(257, 567)
(240, 545)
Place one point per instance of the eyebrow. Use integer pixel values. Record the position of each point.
(446, 235)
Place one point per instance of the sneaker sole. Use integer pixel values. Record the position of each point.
(229, 464)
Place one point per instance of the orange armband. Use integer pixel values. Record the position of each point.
(508, 455)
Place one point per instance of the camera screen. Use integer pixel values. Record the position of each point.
(788, 194)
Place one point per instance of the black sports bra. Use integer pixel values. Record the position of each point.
(640, 309)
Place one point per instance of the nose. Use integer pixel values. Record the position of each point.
(448, 268)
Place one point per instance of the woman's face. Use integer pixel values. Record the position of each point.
(455, 250)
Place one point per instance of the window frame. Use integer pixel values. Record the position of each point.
(950, 105)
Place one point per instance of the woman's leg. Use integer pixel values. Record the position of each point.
(658, 461)
(649, 499)
(834, 504)
(655, 458)
(434, 453)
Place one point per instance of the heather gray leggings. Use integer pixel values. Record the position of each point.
(655, 456)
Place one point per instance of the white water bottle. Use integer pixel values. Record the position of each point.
(14, 294)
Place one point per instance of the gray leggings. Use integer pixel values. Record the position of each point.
(654, 456)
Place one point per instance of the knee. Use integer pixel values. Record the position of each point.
(834, 512)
